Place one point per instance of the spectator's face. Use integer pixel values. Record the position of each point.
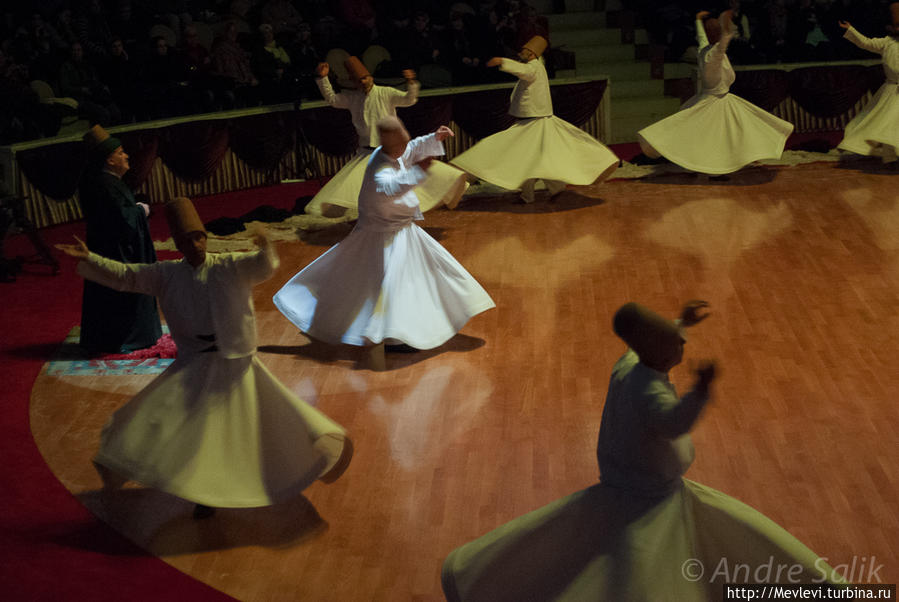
(77, 52)
(117, 162)
(421, 22)
(366, 83)
(190, 37)
(162, 48)
(231, 32)
(117, 48)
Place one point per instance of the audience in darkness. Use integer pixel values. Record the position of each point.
(100, 52)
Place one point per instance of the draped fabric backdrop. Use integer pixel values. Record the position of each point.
(217, 155)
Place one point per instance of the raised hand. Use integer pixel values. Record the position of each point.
(78, 251)
(322, 70)
(690, 314)
(259, 235)
(443, 132)
(702, 15)
(705, 374)
(409, 73)
(844, 24)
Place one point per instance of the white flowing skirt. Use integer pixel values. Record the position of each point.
(603, 544)
(445, 185)
(546, 148)
(716, 135)
(876, 125)
(223, 433)
(375, 286)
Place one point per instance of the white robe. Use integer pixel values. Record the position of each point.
(388, 280)
(539, 145)
(216, 428)
(875, 129)
(716, 132)
(644, 532)
(445, 184)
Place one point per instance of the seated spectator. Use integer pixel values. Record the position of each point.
(119, 73)
(271, 64)
(64, 27)
(91, 28)
(22, 116)
(283, 17)
(48, 48)
(305, 57)
(213, 91)
(232, 62)
(422, 46)
(460, 52)
(165, 82)
(78, 79)
(359, 17)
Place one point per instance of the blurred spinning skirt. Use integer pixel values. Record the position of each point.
(547, 148)
(445, 186)
(221, 432)
(601, 543)
(716, 135)
(377, 286)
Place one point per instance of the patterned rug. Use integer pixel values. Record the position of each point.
(71, 360)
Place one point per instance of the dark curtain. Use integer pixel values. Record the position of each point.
(54, 170)
(576, 103)
(426, 115)
(262, 140)
(765, 88)
(330, 130)
(142, 148)
(193, 151)
(481, 114)
(828, 91)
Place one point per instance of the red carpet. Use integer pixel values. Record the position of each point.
(51, 547)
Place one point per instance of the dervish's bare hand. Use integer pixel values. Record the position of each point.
(844, 24)
(78, 251)
(705, 374)
(690, 315)
(409, 73)
(443, 132)
(495, 62)
(259, 235)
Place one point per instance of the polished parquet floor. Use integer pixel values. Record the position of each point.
(801, 267)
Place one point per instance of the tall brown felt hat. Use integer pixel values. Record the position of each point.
(645, 331)
(537, 45)
(356, 69)
(182, 217)
(894, 16)
(99, 143)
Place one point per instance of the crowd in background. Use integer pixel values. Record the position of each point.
(133, 60)
(768, 31)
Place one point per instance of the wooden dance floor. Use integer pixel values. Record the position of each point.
(801, 267)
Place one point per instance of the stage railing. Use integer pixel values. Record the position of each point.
(219, 152)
